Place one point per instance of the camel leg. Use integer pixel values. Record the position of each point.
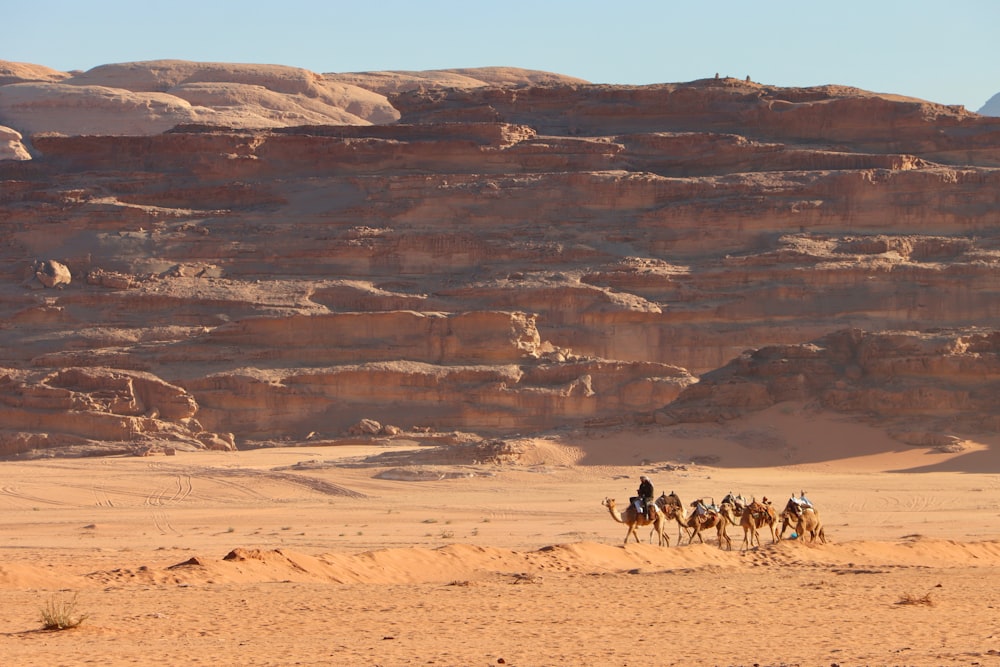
(722, 536)
(784, 524)
(658, 526)
(754, 535)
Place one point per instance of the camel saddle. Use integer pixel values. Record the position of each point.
(705, 513)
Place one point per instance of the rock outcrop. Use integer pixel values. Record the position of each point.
(150, 97)
(11, 146)
(918, 385)
(88, 411)
(504, 258)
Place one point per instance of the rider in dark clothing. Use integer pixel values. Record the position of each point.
(645, 494)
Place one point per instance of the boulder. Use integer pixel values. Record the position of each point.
(52, 273)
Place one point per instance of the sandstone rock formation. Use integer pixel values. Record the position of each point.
(51, 273)
(11, 146)
(150, 97)
(934, 381)
(502, 259)
(387, 83)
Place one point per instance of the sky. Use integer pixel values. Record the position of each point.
(941, 51)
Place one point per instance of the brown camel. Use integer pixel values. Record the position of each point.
(806, 522)
(710, 519)
(738, 503)
(805, 518)
(671, 505)
(634, 519)
(754, 517)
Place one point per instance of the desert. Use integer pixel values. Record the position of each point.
(330, 555)
(347, 368)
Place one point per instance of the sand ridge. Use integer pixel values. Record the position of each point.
(311, 556)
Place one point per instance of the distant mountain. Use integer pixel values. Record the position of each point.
(150, 97)
(992, 106)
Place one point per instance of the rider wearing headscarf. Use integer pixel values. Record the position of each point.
(645, 494)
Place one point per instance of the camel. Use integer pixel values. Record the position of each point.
(738, 503)
(755, 516)
(805, 518)
(710, 519)
(806, 523)
(635, 519)
(671, 505)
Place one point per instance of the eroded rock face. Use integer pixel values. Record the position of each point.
(471, 77)
(942, 380)
(11, 146)
(151, 97)
(91, 411)
(503, 260)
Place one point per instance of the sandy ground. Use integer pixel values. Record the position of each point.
(322, 556)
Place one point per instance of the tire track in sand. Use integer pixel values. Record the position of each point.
(181, 487)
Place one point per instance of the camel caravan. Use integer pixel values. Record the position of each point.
(734, 510)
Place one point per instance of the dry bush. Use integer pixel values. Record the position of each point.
(909, 598)
(60, 614)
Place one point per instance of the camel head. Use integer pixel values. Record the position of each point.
(791, 516)
(792, 507)
(732, 513)
(609, 503)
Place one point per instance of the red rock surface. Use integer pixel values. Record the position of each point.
(510, 256)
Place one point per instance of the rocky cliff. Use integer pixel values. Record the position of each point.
(507, 257)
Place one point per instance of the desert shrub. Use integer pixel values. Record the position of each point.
(909, 598)
(61, 614)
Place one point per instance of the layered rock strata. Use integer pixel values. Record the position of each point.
(500, 260)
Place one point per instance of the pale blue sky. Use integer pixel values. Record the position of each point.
(943, 51)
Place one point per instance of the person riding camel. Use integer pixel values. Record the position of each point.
(802, 502)
(644, 498)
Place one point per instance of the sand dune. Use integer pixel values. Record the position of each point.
(312, 556)
(465, 562)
